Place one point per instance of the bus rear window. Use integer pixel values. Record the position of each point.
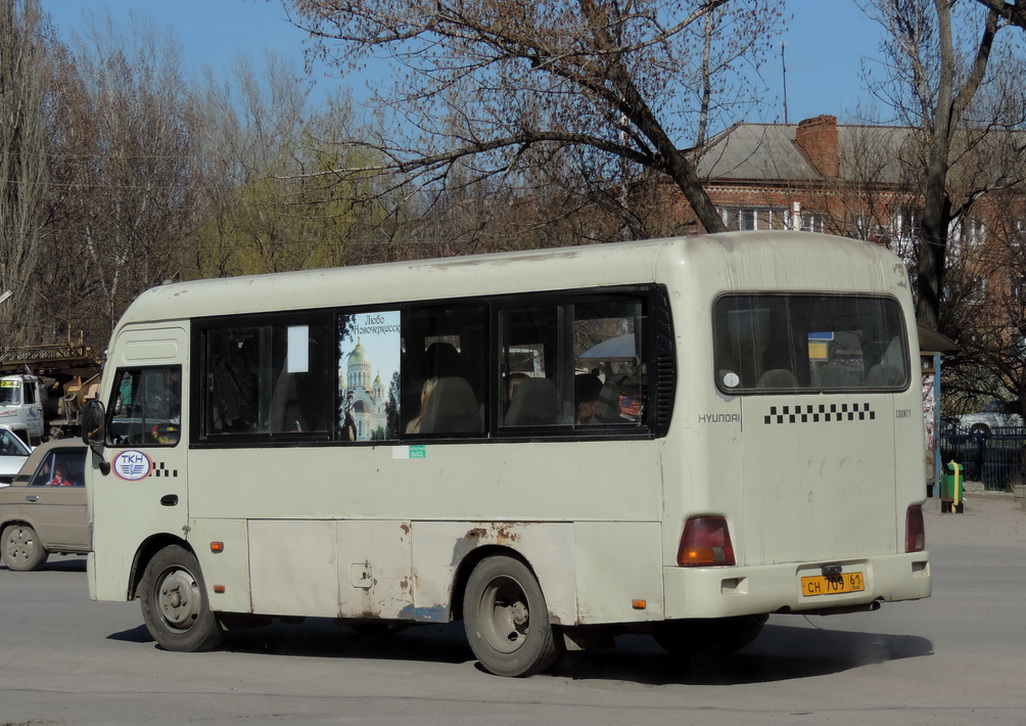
(788, 343)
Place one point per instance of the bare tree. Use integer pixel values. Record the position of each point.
(935, 75)
(265, 157)
(492, 83)
(138, 175)
(1014, 11)
(24, 95)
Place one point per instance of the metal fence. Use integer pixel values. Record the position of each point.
(996, 457)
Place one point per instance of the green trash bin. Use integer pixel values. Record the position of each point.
(952, 488)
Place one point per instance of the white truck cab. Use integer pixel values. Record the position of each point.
(21, 402)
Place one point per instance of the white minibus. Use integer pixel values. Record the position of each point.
(677, 437)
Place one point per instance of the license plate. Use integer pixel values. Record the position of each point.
(833, 585)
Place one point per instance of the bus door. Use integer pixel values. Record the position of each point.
(146, 446)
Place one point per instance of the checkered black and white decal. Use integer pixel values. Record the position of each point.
(160, 470)
(820, 413)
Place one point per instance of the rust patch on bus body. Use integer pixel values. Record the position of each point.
(505, 534)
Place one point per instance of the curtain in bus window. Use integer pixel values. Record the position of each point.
(780, 343)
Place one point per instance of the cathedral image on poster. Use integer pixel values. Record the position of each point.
(369, 350)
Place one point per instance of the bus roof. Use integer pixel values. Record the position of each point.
(735, 260)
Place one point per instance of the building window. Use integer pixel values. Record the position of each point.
(971, 233)
(977, 290)
(1017, 289)
(906, 224)
(866, 227)
(812, 222)
(1018, 236)
(748, 218)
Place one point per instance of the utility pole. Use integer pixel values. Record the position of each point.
(783, 73)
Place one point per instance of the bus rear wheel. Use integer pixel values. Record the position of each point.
(174, 602)
(708, 637)
(506, 619)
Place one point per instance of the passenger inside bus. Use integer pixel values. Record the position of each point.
(587, 387)
(535, 402)
(451, 408)
(425, 397)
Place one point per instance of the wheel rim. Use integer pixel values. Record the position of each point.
(20, 545)
(178, 599)
(507, 615)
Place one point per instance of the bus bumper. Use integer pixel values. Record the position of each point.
(715, 592)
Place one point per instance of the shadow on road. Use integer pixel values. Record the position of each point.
(59, 563)
(780, 653)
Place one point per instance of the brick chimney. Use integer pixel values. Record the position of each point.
(817, 139)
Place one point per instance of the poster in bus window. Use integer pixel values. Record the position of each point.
(368, 377)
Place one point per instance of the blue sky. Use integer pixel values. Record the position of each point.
(824, 41)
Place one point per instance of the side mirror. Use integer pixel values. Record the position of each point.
(93, 425)
(94, 433)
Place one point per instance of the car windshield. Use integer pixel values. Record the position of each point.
(11, 445)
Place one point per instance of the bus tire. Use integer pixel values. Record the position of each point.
(696, 638)
(174, 602)
(507, 620)
(21, 549)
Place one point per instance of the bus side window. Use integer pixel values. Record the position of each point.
(535, 387)
(153, 418)
(265, 379)
(608, 354)
(444, 370)
(300, 401)
(232, 390)
(574, 363)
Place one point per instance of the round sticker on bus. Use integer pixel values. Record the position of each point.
(132, 465)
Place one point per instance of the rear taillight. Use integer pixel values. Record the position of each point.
(706, 541)
(915, 529)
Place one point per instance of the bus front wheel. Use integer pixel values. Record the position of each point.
(506, 619)
(174, 602)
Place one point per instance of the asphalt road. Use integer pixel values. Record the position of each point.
(957, 658)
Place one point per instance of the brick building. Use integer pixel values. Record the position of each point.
(863, 181)
(813, 176)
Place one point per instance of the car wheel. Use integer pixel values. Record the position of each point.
(21, 548)
(174, 602)
(507, 620)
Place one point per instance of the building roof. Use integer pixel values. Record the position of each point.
(771, 153)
